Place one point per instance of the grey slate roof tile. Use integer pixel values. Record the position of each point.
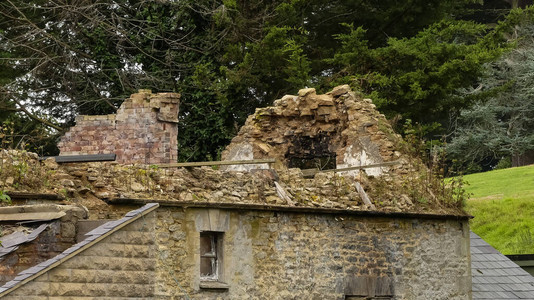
(5, 251)
(523, 295)
(59, 256)
(10, 284)
(94, 237)
(16, 238)
(46, 263)
(21, 277)
(35, 233)
(494, 276)
(11, 242)
(100, 230)
(32, 270)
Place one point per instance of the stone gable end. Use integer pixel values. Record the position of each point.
(121, 265)
(338, 129)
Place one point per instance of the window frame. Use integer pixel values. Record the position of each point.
(216, 255)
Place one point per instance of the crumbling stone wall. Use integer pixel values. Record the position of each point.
(283, 255)
(120, 266)
(338, 125)
(144, 130)
(59, 235)
(91, 184)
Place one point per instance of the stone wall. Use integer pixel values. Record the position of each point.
(144, 130)
(267, 255)
(91, 184)
(279, 255)
(120, 266)
(56, 238)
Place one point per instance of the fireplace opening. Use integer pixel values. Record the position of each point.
(308, 152)
(321, 163)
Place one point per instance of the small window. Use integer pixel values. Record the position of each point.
(210, 255)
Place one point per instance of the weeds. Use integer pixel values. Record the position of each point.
(423, 178)
(4, 197)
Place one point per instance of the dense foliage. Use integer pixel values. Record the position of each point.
(500, 123)
(227, 57)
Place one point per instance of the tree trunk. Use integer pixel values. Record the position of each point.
(519, 3)
(526, 158)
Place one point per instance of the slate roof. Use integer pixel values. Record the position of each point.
(495, 276)
(11, 242)
(92, 238)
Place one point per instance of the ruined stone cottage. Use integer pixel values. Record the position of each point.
(259, 231)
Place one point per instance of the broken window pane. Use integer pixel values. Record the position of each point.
(206, 243)
(209, 256)
(207, 265)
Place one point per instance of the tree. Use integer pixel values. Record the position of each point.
(417, 77)
(501, 122)
(227, 57)
(413, 76)
(84, 57)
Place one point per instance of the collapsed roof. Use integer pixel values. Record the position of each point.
(337, 134)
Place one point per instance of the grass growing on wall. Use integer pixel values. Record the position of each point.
(503, 206)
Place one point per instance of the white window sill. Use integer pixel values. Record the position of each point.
(213, 285)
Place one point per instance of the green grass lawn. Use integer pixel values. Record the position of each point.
(503, 206)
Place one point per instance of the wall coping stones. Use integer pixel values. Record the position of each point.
(42, 212)
(93, 237)
(295, 209)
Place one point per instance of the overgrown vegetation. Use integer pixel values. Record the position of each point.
(21, 169)
(428, 182)
(228, 57)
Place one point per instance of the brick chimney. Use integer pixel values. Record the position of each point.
(144, 130)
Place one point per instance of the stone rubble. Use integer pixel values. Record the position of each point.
(348, 127)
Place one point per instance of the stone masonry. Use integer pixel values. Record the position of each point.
(268, 255)
(144, 130)
(59, 235)
(121, 266)
(319, 241)
(90, 184)
(338, 127)
(283, 255)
